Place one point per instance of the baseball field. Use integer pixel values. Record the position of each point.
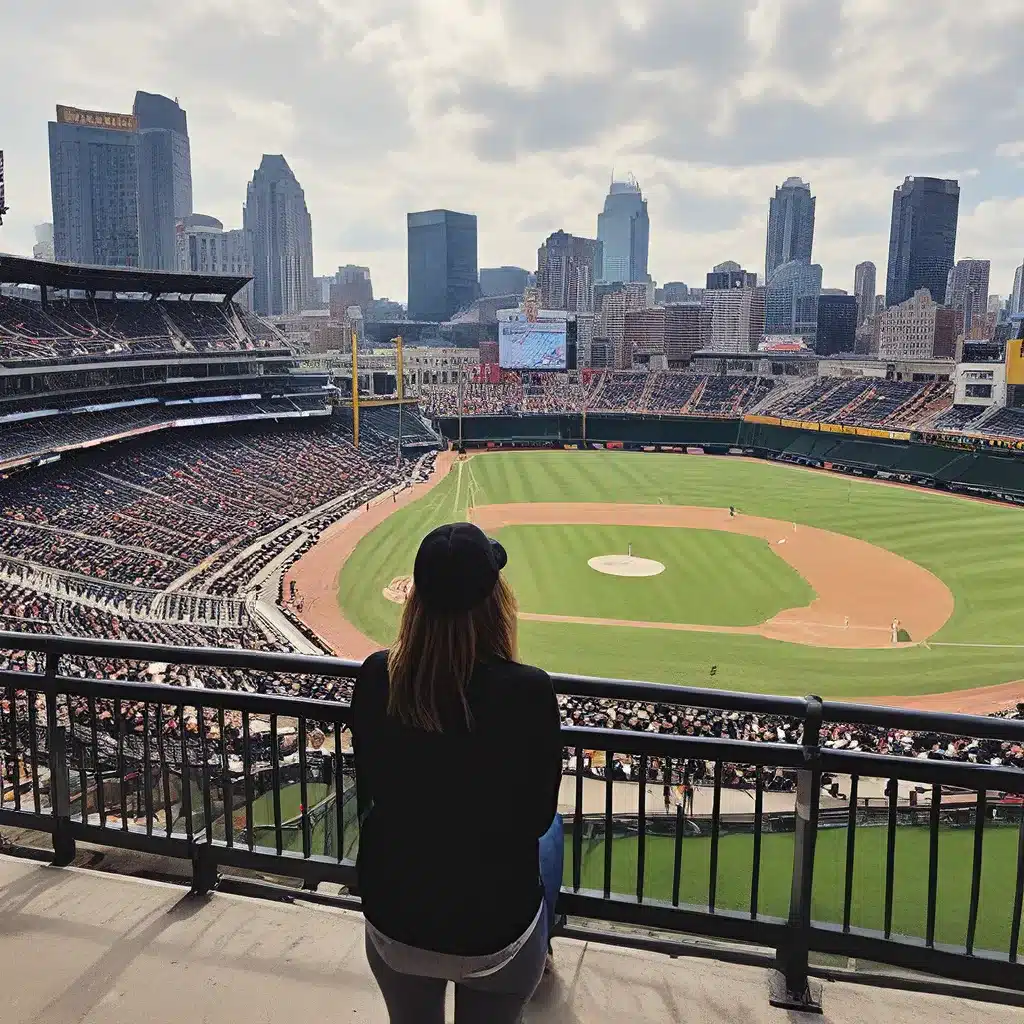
(802, 589)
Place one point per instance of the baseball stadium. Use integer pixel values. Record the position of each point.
(780, 604)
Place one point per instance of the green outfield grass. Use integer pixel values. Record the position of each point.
(910, 889)
(291, 802)
(710, 577)
(977, 549)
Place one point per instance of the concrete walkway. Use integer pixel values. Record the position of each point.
(80, 947)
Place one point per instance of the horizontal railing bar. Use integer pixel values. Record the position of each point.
(622, 909)
(132, 839)
(962, 774)
(212, 657)
(910, 952)
(27, 819)
(838, 712)
(980, 726)
(190, 696)
(674, 947)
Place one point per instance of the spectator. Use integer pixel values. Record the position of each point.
(447, 697)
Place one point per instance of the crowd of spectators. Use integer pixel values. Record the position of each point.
(860, 401)
(70, 328)
(192, 511)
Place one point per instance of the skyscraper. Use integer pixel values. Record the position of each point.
(624, 229)
(566, 272)
(730, 275)
(165, 177)
(733, 319)
(790, 225)
(1016, 303)
(676, 291)
(442, 264)
(503, 281)
(967, 292)
(791, 301)
(919, 328)
(94, 187)
(837, 324)
(280, 232)
(864, 282)
(922, 238)
(350, 286)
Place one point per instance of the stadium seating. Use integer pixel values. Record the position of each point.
(1005, 423)
(71, 328)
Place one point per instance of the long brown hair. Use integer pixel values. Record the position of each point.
(433, 657)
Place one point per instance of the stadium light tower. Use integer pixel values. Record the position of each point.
(3, 204)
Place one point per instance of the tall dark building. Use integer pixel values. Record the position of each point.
(790, 225)
(922, 238)
(442, 264)
(279, 229)
(864, 290)
(503, 281)
(567, 269)
(94, 186)
(837, 324)
(165, 177)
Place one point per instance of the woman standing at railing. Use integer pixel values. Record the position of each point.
(448, 853)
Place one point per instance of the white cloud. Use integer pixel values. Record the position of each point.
(512, 109)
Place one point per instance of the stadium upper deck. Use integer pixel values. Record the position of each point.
(88, 354)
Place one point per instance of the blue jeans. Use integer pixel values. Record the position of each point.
(551, 853)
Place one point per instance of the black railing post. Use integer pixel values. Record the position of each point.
(60, 781)
(790, 987)
(204, 866)
(60, 798)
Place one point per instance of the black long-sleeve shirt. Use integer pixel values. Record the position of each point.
(448, 849)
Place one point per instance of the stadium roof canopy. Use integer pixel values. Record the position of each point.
(21, 270)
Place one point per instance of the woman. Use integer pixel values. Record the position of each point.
(458, 764)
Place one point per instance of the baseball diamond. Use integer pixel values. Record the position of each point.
(798, 591)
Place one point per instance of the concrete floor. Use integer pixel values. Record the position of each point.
(82, 947)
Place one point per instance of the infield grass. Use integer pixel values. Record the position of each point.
(975, 548)
(710, 577)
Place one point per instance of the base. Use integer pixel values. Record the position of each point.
(808, 1001)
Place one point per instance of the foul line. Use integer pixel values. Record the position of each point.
(1000, 647)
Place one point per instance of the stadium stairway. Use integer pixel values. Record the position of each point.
(695, 398)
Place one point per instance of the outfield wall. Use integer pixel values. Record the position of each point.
(955, 465)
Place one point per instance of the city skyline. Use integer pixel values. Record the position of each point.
(533, 154)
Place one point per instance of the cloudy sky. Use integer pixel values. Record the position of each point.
(519, 111)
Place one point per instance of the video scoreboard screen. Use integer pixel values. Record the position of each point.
(532, 345)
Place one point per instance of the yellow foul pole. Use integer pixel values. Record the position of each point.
(355, 392)
(401, 369)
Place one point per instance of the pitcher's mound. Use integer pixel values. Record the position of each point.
(626, 565)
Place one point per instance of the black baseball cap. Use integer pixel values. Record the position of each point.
(457, 567)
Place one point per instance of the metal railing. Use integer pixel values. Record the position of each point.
(265, 782)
